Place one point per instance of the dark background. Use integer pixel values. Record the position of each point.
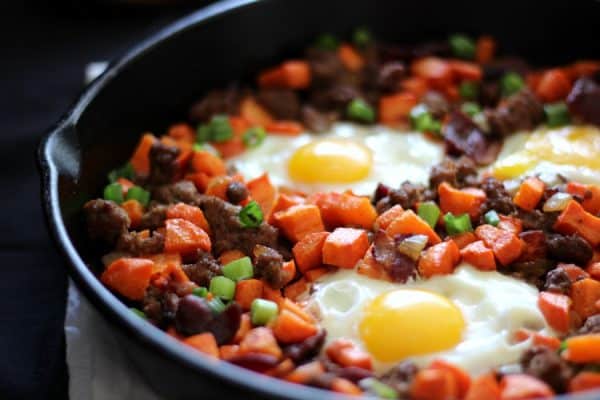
(46, 47)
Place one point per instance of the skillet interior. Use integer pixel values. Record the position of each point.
(153, 85)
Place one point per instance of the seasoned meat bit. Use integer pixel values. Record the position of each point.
(307, 349)
(591, 325)
(520, 111)
(326, 67)
(390, 75)
(281, 103)
(400, 377)
(182, 191)
(227, 231)
(317, 121)
(436, 103)
(458, 173)
(572, 249)
(545, 364)
(236, 192)
(160, 305)
(489, 93)
(531, 271)
(105, 220)
(335, 98)
(353, 374)
(163, 166)
(203, 270)
(136, 244)
(495, 69)
(537, 219)
(155, 216)
(407, 195)
(497, 198)
(267, 265)
(463, 136)
(557, 281)
(584, 100)
(399, 266)
(215, 102)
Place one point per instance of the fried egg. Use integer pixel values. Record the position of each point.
(350, 156)
(468, 318)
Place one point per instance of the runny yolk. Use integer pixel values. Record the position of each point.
(408, 322)
(330, 161)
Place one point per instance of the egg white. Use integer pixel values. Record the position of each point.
(493, 305)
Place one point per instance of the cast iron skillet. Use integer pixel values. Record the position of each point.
(156, 81)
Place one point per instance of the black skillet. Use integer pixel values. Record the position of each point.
(156, 81)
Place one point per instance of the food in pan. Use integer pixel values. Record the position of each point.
(403, 221)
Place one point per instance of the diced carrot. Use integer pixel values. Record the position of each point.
(554, 85)
(285, 127)
(574, 219)
(272, 294)
(585, 380)
(350, 58)
(189, 213)
(347, 354)
(308, 252)
(228, 351)
(434, 384)
(344, 247)
(464, 70)
(529, 194)
(585, 293)
(293, 74)
(439, 259)
(385, 219)
(583, 348)
(217, 186)
(254, 113)
(395, 108)
(290, 328)
(207, 162)
(282, 369)
(573, 271)
(245, 326)
(463, 380)
(368, 266)
(589, 193)
(538, 339)
(182, 132)
(555, 307)
(293, 307)
(263, 192)
(485, 49)
(484, 387)
(295, 289)
(246, 291)
(135, 211)
(343, 385)
(230, 148)
(129, 277)
(167, 268)
(315, 273)
(479, 255)
(184, 237)
(344, 209)
(288, 271)
(260, 340)
(203, 342)
(126, 184)
(298, 221)
(510, 224)
(532, 79)
(140, 161)
(457, 201)
(306, 372)
(230, 255)
(409, 223)
(594, 270)
(582, 68)
(462, 240)
(523, 387)
(199, 179)
(507, 246)
(415, 85)
(451, 92)
(284, 201)
(437, 72)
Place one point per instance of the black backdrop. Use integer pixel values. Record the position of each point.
(46, 47)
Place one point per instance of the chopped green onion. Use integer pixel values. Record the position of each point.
(327, 41)
(198, 147)
(468, 90)
(218, 129)
(114, 192)
(138, 312)
(251, 216)
(203, 133)
(223, 287)
(457, 224)
(511, 83)
(216, 305)
(470, 108)
(263, 311)
(200, 291)
(563, 346)
(378, 388)
(557, 114)
(239, 269)
(361, 111)
(126, 171)
(362, 37)
(424, 122)
(491, 217)
(462, 46)
(429, 212)
(139, 194)
(253, 137)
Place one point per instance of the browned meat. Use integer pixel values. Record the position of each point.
(531, 271)
(407, 195)
(557, 281)
(458, 173)
(497, 197)
(537, 219)
(489, 93)
(520, 111)
(317, 121)
(307, 349)
(500, 66)
(399, 266)
(203, 270)
(163, 167)
(160, 305)
(133, 243)
(584, 100)
(400, 377)
(182, 191)
(267, 265)
(215, 102)
(389, 76)
(535, 245)
(105, 220)
(154, 217)
(463, 136)
(325, 66)
(436, 104)
(281, 103)
(545, 364)
(591, 325)
(572, 249)
(335, 98)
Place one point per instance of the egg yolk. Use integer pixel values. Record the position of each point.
(408, 322)
(573, 146)
(330, 161)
